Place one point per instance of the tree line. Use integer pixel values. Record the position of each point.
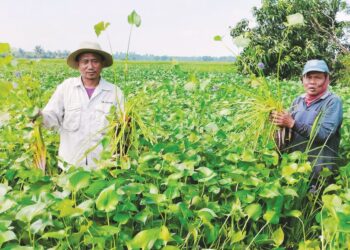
(40, 52)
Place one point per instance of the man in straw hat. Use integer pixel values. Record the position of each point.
(315, 118)
(79, 106)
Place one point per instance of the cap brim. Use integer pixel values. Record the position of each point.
(315, 70)
(73, 63)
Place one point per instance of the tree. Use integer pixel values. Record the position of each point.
(39, 51)
(275, 44)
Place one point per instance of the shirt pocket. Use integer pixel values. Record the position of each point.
(72, 117)
(102, 111)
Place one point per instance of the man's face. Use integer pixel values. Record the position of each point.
(90, 66)
(314, 82)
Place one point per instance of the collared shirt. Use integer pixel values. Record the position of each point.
(80, 120)
(317, 129)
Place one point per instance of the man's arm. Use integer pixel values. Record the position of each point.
(330, 119)
(54, 110)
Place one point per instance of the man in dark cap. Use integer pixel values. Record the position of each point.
(315, 119)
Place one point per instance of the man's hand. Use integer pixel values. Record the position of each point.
(282, 119)
(35, 114)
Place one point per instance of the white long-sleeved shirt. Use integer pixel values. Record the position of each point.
(81, 121)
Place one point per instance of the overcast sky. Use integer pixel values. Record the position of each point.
(174, 28)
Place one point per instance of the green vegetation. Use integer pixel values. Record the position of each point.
(286, 49)
(194, 182)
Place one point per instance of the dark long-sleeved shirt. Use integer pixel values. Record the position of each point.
(317, 129)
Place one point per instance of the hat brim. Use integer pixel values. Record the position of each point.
(315, 70)
(72, 62)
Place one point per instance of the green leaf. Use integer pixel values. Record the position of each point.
(344, 222)
(170, 248)
(7, 236)
(241, 41)
(6, 204)
(101, 26)
(3, 189)
(295, 19)
(55, 235)
(289, 191)
(278, 236)
(39, 225)
(107, 199)
(217, 38)
(237, 236)
(27, 213)
(270, 216)
(253, 211)
(134, 19)
(66, 208)
(4, 48)
(164, 234)
(332, 187)
(145, 239)
(294, 213)
(79, 180)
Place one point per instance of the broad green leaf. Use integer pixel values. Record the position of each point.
(7, 236)
(294, 213)
(145, 157)
(164, 234)
(170, 248)
(145, 239)
(79, 180)
(295, 19)
(107, 230)
(4, 48)
(332, 187)
(270, 192)
(3, 189)
(142, 216)
(237, 236)
(289, 191)
(344, 222)
(6, 204)
(39, 225)
(253, 211)
(134, 19)
(217, 38)
(27, 213)
(278, 236)
(101, 26)
(122, 218)
(55, 235)
(205, 171)
(66, 208)
(309, 245)
(269, 216)
(107, 199)
(241, 41)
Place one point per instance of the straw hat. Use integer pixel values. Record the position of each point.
(89, 47)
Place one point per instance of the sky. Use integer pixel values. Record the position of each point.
(169, 27)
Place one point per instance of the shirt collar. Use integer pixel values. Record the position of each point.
(326, 94)
(102, 84)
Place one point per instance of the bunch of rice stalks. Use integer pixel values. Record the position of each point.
(38, 146)
(253, 108)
